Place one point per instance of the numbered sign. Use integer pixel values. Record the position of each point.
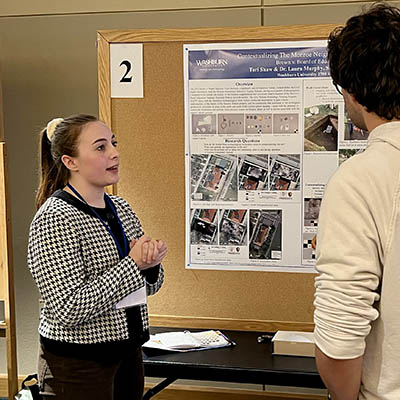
(126, 63)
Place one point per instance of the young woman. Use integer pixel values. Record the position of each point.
(87, 251)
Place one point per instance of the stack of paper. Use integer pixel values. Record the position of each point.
(188, 341)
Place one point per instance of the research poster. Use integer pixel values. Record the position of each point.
(265, 129)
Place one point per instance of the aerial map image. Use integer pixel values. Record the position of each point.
(203, 226)
(253, 173)
(285, 172)
(213, 177)
(265, 234)
(233, 227)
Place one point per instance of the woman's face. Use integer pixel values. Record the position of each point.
(98, 159)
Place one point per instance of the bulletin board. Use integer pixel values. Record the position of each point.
(151, 139)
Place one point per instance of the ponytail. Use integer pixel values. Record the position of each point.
(52, 176)
(64, 134)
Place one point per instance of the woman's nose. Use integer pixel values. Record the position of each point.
(114, 153)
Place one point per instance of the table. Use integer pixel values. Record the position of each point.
(247, 362)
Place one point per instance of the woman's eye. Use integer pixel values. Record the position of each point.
(115, 143)
(101, 147)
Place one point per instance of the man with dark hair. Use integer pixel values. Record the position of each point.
(357, 299)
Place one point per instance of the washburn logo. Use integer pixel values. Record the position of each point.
(213, 61)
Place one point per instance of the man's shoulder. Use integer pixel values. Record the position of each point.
(373, 161)
(370, 176)
(353, 167)
(359, 174)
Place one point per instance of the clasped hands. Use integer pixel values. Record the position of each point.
(147, 252)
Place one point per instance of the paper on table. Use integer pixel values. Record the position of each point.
(188, 341)
(133, 299)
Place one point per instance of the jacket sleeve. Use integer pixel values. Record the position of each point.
(154, 277)
(56, 264)
(349, 267)
(155, 280)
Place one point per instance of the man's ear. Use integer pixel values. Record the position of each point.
(69, 162)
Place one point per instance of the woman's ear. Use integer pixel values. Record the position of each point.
(69, 162)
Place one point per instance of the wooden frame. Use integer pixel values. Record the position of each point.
(275, 311)
(198, 35)
(7, 329)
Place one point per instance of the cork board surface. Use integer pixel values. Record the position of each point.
(150, 133)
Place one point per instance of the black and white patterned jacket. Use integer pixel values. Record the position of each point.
(76, 266)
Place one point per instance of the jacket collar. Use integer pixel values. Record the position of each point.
(388, 132)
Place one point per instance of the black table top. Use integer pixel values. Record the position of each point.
(247, 362)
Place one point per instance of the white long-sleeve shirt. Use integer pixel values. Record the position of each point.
(357, 298)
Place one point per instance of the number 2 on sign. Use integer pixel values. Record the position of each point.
(126, 70)
(126, 78)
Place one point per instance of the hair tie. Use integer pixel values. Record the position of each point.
(51, 127)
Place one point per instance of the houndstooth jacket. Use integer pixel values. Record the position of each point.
(76, 266)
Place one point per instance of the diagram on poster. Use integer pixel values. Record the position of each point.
(264, 131)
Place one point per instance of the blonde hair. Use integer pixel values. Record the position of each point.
(63, 139)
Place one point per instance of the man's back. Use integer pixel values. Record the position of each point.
(358, 262)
